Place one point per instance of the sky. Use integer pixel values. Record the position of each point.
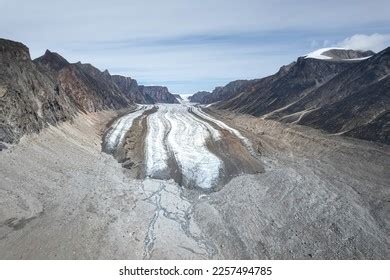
(190, 46)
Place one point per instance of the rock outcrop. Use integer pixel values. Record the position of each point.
(29, 98)
(159, 94)
(131, 89)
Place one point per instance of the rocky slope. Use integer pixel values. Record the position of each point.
(336, 94)
(159, 94)
(29, 98)
(355, 103)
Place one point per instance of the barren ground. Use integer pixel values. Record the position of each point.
(318, 196)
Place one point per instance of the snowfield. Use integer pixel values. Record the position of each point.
(318, 54)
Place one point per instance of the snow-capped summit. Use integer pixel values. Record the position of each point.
(337, 53)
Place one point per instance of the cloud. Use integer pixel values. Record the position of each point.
(375, 42)
(188, 45)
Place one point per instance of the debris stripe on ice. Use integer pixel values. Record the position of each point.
(156, 153)
(118, 130)
(222, 125)
(186, 141)
(215, 134)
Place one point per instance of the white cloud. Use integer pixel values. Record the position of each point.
(375, 42)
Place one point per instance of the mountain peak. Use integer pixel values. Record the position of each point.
(52, 60)
(336, 53)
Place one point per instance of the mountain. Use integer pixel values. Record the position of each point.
(289, 84)
(159, 94)
(200, 97)
(91, 89)
(131, 89)
(29, 98)
(346, 92)
(355, 103)
(95, 90)
(339, 54)
(48, 90)
(222, 93)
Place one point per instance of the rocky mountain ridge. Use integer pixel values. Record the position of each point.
(345, 96)
(159, 94)
(49, 89)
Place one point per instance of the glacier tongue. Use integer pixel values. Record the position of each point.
(174, 132)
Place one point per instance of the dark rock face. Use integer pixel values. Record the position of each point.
(288, 85)
(159, 94)
(200, 97)
(356, 102)
(48, 90)
(29, 98)
(350, 97)
(89, 88)
(131, 89)
(222, 93)
(52, 61)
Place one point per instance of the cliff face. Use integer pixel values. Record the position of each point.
(29, 98)
(159, 94)
(131, 89)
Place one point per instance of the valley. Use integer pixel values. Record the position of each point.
(290, 166)
(88, 205)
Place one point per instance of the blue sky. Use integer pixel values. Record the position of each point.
(193, 45)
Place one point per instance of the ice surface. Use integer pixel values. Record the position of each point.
(115, 136)
(222, 125)
(174, 131)
(156, 152)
